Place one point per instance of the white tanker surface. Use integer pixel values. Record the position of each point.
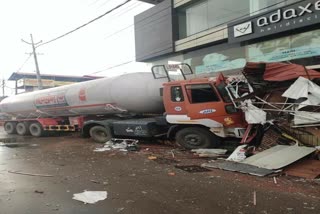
(132, 93)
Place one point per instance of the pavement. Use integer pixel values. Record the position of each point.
(134, 183)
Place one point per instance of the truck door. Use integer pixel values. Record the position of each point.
(204, 104)
(174, 100)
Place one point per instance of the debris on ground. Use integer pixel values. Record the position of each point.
(102, 149)
(90, 197)
(238, 167)
(172, 153)
(171, 173)
(267, 162)
(29, 174)
(120, 209)
(192, 168)
(275, 180)
(162, 160)
(94, 181)
(239, 154)
(307, 168)
(279, 156)
(39, 191)
(122, 145)
(210, 153)
(152, 157)
(16, 145)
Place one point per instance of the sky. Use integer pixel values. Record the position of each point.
(105, 43)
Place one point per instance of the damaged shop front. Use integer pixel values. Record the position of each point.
(278, 90)
(279, 93)
(281, 103)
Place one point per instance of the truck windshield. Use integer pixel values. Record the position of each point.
(224, 93)
(201, 93)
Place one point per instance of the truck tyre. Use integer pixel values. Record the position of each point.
(22, 128)
(196, 138)
(10, 127)
(100, 134)
(36, 129)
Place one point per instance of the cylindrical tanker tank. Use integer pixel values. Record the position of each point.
(127, 93)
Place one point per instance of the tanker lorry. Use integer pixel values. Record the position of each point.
(196, 113)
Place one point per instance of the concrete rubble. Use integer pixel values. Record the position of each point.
(122, 145)
(212, 153)
(90, 197)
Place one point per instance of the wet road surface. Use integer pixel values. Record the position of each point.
(134, 183)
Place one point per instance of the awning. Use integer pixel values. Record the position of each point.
(279, 71)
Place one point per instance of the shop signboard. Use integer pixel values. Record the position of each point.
(301, 14)
(28, 82)
(34, 82)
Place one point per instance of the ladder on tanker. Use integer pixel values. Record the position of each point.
(172, 72)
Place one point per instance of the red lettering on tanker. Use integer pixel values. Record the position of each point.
(53, 100)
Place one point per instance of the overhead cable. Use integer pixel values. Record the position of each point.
(119, 31)
(104, 3)
(94, 2)
(119, 15)
(114, 66)
(27, 59)
(89, 22)
(127, 9)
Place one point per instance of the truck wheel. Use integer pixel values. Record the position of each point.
(100, 134)
(10, 127)
(22, 129)
(36, 129)
(196, 138)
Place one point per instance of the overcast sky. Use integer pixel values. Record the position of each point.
(88, 50)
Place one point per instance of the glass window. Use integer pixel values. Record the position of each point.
(176, 94)
(201, 93)
(303, 45)
(260, 6)
(197, 18)
(207, 14)
(224, 93)
(220, 12)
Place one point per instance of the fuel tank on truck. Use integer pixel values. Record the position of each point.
(127, 93)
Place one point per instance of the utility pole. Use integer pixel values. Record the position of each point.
(35, 60)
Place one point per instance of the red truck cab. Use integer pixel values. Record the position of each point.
(199, 102)
(201, 109)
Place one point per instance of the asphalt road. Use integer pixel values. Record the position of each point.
(134, 183)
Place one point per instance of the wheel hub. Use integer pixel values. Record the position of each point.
(101, 133)
(193, 139)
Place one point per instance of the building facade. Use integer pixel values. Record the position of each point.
(222, 35)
